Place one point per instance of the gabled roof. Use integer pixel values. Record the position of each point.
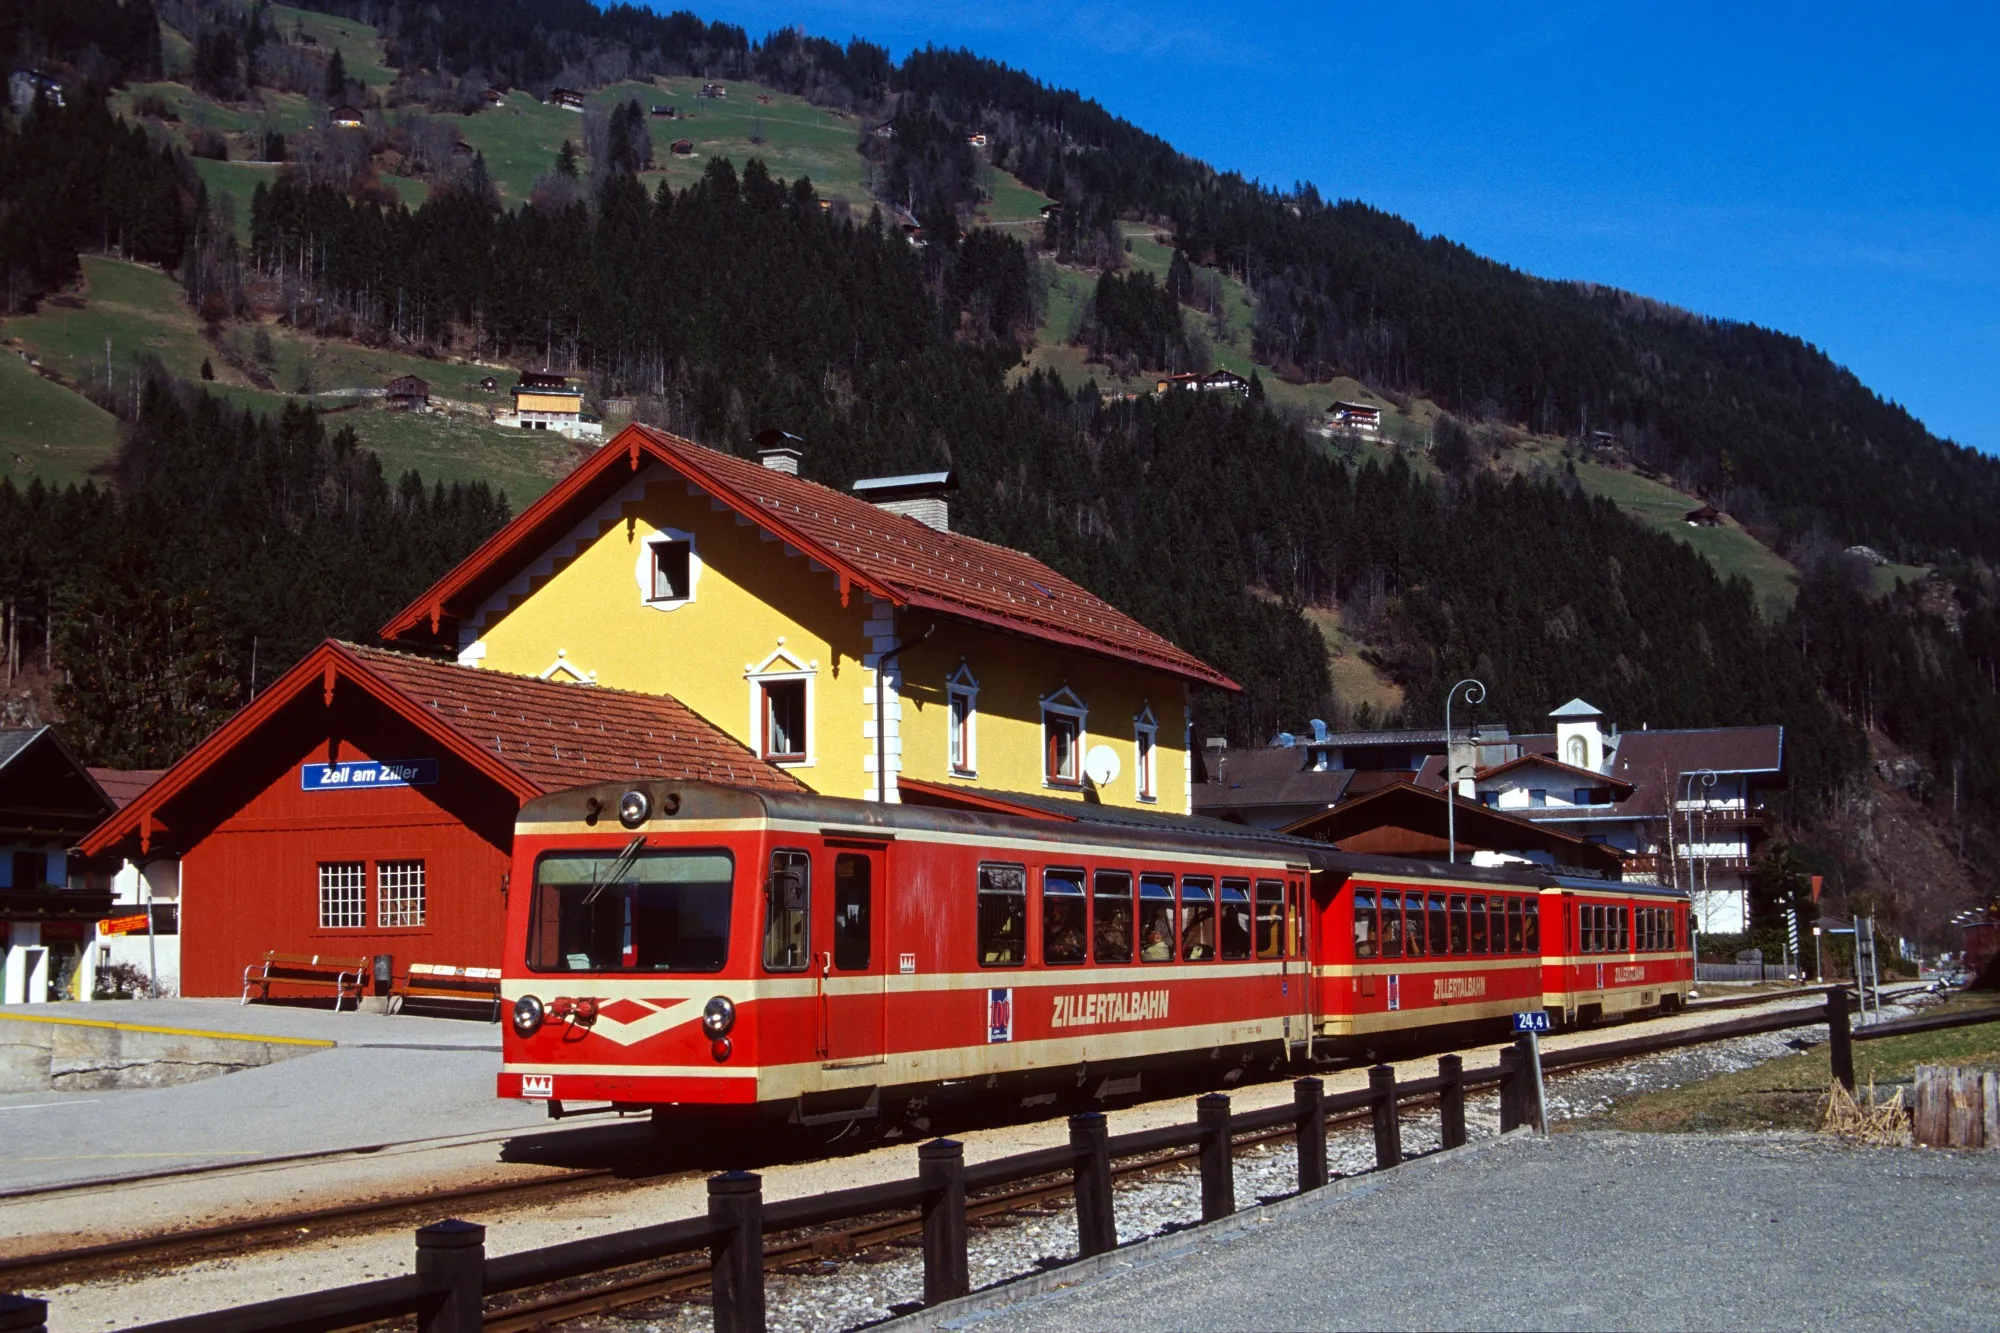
(1585, 776)
(529, 736)
(1274, 776)
(885, 555)
(1577, 708)
(125, 785)
(1421, 813)
(45, 791)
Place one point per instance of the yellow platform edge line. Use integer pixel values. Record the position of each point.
(171, 1032)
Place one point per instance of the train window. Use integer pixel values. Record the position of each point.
(1497, 924)
(1392, 924)
(632, 911)
(1440, 938)
(1624, 929)
(1413, 926)
(1673, 926)
(1003, 915)
(1531, 926)
(1197, 918)
(1235, 918)
(1270, 919)
(1156, 918)
(1513, 925)
(1111, 917)
(1648, 917)
(1364, 923)
(1477, 944)
(852, 905)
(1460, 937)
(1063, 913)
(787, 912)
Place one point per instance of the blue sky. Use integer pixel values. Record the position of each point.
(1829, 170)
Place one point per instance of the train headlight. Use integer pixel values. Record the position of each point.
(717, 1017)
(633, 808)
(528, 1016)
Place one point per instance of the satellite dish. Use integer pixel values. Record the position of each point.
(1100, 765)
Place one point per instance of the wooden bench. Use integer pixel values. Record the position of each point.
(441, 981)
(344, 976)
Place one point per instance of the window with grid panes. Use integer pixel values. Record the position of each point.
(399, 893)
(343, 895)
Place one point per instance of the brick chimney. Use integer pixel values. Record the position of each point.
(918, 495)
(778, 450)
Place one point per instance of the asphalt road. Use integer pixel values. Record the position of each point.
(1584, 1231)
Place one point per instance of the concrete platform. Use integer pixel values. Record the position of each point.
(338, 1082)
(1577, 1231)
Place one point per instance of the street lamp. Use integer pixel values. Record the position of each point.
(1475, 693)
(1707, 776)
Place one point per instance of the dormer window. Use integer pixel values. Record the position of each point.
(668, 570)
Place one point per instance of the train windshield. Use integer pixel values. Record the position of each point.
(632, 911)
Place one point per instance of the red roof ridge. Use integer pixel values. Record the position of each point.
(906, 563)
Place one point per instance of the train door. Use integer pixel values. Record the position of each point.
(852, 976)
(1298, 959)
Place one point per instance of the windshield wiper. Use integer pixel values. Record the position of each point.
(615, 872)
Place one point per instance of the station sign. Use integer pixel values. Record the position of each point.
(1534, 1021)
(366, 773)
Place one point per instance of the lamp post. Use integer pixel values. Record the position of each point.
(1475, 692)
(1707, 776)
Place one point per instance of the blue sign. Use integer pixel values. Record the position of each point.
(366, 773)
(1537, 1021)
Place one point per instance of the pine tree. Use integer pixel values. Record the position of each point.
(336, 80)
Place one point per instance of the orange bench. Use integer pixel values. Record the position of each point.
(441, 981)
(345, 977)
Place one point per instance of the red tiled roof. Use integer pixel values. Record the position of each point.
(124, 785)
(887, 555)
(530, 736)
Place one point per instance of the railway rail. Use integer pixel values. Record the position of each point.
(821, 1243)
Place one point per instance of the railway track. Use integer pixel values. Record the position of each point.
(600, 1296)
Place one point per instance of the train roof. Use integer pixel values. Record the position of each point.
(1054, 821)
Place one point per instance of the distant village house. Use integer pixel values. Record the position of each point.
(345, 117)
(683, 148)
(1708, 516)
(407, 393)
(569, 99)
(1355, 418)
(543, 400)
(1205, 381)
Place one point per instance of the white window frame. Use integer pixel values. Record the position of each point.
(1146, 755)
(642, 571)
(349, 913)
(403, 911)
(961, 684)
(1064, 703)
(782, 666)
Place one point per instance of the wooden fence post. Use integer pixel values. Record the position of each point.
(452, 1254)
(1096, 1226)
(23, 1314)
(1512, 1076)
(1218, 1166)
(1840, 1043)
(941, 1166)
(736, 1204)
(1451, 1101)
(1388, 1127)
(1308, 1095)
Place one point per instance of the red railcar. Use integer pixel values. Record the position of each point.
(693, 946)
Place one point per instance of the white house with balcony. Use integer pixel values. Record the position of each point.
(1686, 806)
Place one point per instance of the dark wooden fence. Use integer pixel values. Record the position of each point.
(453, 1275)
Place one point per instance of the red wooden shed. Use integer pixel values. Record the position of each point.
(365, 804)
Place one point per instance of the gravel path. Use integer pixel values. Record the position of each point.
(829, 1297)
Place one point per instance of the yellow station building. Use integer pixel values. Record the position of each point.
(850, 638)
